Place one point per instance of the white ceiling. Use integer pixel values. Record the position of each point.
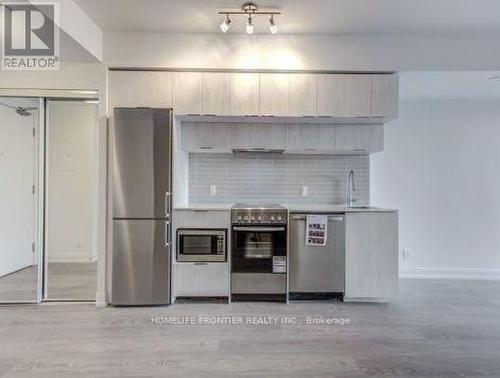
(415, 17)
(450, 84)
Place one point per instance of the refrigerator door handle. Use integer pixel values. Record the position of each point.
(168, 235)
(168, 199)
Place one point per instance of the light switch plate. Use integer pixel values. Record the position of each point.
(213, 190)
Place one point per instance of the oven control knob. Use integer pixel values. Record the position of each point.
(239, 217)
(259, 218)
(252, 218)
(279, 218)
(246, 218)
(272, 218)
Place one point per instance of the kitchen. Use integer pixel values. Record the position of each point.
(207, 188)
(255, 156)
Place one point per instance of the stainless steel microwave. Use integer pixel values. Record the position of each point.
(201, 245)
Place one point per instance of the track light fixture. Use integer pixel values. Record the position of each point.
(272, 25)
(225, 24)
(249, 10)
(250, 27)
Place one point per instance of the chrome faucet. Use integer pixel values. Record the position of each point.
(351, 189)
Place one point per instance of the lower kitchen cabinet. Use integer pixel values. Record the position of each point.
(201, 280)
(371, 256)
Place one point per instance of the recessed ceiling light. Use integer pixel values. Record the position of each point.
(494, 77)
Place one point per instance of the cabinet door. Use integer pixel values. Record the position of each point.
(274, 94)
(207, 137)
(359, 138)
(245, 94)
(215, 92)
(344, 95)
(139, 89)
(310, 138)
(264, 135)
(385, 96)
(371, 255)
(303, 95)
(187, 93)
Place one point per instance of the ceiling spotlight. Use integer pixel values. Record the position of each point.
(225, 24)
(250, 10)
(272, 25)
(250, 27)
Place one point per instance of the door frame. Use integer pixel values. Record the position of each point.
(95, 189)
(40, 214)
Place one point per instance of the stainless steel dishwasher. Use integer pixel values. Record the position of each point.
(318, 270)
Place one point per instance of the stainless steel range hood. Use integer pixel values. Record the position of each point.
(258, 150)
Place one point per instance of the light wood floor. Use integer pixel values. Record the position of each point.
(75, 281)
(436, 329)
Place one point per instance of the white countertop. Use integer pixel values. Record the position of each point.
(291, 207)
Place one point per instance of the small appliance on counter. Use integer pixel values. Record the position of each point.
(142, 166)
(259, 252)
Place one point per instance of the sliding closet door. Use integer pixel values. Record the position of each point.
(71, 184)
(19, 277)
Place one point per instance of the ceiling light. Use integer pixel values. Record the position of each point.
(250, 27)
(249, 10)
(225, 24)
(272, 25)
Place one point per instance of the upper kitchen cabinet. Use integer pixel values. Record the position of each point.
(275, 94)
(359, 138)
(303, 95)
(344, 95)
(385, 96)
(208, 137)
(215, 93)
(187, 93)
(263, 135)
(244, 94)
(310, 138)
(140, 89)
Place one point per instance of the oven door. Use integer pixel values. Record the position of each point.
(195, 245)
(258, 249)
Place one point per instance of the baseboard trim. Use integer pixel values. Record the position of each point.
(451, 273)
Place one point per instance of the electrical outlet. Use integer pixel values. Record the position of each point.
(304, 191)
(213, 190)
(406, 253)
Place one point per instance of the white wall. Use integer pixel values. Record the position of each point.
(17, 175)
(301, 52)
(70, 179)
(440, 168)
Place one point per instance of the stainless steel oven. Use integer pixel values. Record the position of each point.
(258, 252)
(201, 245)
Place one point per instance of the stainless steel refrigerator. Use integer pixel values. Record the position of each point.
(142, 205)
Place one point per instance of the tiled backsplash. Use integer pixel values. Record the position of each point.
(263, 178)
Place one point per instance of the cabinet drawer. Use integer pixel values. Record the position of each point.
(201, 219)
(201, 280)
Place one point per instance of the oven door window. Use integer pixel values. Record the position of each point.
(253, 251)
